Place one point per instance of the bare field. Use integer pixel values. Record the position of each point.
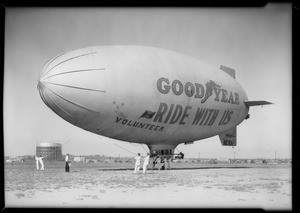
(87, 185)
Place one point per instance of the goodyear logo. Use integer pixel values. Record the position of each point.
(164, 86)
(178, 114)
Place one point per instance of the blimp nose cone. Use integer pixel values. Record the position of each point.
(73, 85)
(41, 89)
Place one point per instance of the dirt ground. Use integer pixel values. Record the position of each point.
(87, 186)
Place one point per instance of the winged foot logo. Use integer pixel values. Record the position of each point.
(210, 86)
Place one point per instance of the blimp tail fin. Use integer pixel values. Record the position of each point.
(228, 138)
(256, 103)
(228, 70)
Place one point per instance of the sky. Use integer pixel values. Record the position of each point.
(256, 42)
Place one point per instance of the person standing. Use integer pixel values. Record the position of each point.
(146, 162)
(137, 163)
(67, 163)
(168, 162)
(37, 162)
(154, 161)
(41, 162)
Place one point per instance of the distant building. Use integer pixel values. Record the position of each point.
(79, 159)
(88, 160)
(223, 160)
(50, 151)
(270, 161)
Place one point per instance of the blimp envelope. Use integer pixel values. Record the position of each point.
(144, 95)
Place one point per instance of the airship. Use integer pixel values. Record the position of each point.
(145, 95)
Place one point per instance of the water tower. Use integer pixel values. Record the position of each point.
(50, 151)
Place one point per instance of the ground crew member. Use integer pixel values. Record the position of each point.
(37, 162)
(137, 163)
(146, 162)
(67, 163)
(163, 162)
(41, 162)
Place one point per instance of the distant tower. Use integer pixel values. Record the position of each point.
(50, 151)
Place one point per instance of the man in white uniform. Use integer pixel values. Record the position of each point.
(146, 162)
(41, 162)
(137, 163)
(37, 162)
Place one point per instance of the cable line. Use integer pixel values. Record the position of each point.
(125, 149)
